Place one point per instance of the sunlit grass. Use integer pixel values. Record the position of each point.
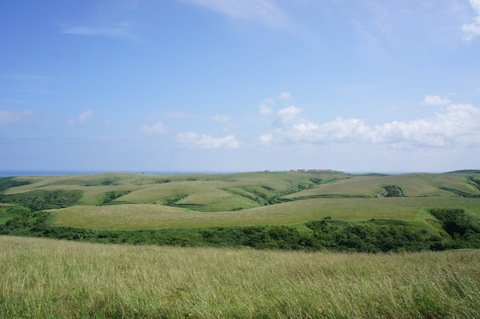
(143, 216)
(54, 279)
(195, 189)
(413, 185)
(240, 199)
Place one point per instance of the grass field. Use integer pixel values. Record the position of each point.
(137, 201)
(57, 279)
(183, 209)
(45, 278)
(149, 216)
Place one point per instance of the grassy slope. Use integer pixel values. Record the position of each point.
(56, 279)
(144, 216)
(243, 198)
(413, 185)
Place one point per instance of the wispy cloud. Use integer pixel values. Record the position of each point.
(472, 30)
(454, 124)
(111, 18)
(157, 128)
(284, 95)
(12, 117)
(265, 11)
(195, 140)
(24, 77)
(116, 31)
(266, 106)
(435, 100)
(224, 120)
(220, 118)
(81, 119)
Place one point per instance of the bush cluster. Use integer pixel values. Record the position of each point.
(463, 228)
(356, 236)
(8, 182)
(37, 200)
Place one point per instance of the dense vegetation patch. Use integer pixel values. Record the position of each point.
(393, 191)
(267, 195)
(107, 181)
(43, 199)
(327, 234)
(474, 181)
(9, 182)
(8, 212)
(462, 227)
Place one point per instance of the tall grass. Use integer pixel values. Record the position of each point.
(54, 279)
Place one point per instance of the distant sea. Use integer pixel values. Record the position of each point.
(62, 173)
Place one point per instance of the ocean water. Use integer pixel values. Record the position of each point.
(42, 173)
(63, 173)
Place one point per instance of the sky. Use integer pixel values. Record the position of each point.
(240, 85)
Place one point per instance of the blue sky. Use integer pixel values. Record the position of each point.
(230, 85)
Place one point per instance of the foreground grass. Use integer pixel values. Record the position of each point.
(54, 279)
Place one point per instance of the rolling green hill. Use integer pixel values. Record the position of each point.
(136, 202)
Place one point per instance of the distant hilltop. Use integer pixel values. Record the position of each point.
(310, 170)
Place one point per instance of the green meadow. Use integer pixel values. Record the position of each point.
(274, 210)
(150, 216)
(245, 245)
(309, 211)
(60, 279)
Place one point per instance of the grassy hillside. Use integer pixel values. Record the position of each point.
(58, 279)
(202, 192)
(137, 202)
(150, 216)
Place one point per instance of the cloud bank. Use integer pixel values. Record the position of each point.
(455, 124)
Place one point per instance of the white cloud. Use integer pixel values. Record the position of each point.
(288, 114)
(157, 128)
(472, 30)
(339, 130)
(11, 117)
(81, 119)
(266, 107)
(265, 11)
(192, 139)
(435, 100)
(455, 124)
(265, 139)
